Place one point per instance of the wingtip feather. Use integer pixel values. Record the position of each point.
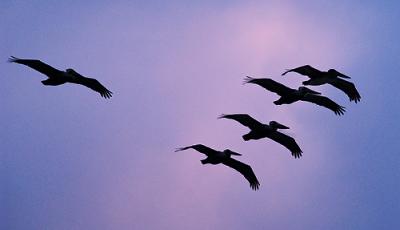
(255, 186)
(297, 154)
(356, 99)
(12, 59)
(221, 116)
(247, 79)
(179, 149)
(286, 71)
(340, 111)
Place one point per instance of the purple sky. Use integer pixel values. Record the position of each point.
(72, 160)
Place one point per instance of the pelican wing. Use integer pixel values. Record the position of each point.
(270, 85)
(243, 119)
(200, 148)
(245, 170)
(348, 88)
(325, 102)
(286, 141)
(305, 70)
(37, 65)
(94, 85)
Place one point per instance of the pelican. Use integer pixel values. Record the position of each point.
(289, 95)
(217, 157)
(260, 130)
(58, 77)
(331, 76)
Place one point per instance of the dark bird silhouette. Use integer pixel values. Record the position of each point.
(331, 76)
(57, 77)
(217, 157)
(289, 95)
(260, 130)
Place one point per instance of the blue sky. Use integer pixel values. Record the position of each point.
(72, 160)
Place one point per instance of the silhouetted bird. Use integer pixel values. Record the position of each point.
(331, 76)
(260, 130)
(217, 157)
(289, 95)
(57, 77)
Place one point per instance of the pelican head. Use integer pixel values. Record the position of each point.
(306, 90)
(277, 125)
(229, 152)
(72, 72)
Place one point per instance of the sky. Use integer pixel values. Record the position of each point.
(73, 160)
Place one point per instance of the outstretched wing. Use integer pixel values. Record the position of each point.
(37, 65)
(305, 70)
(245, 170)
(348, 88)
(270, 85)
(286, 141)
(243, 119)
(325, 102)
(94, 85)
(200, 148)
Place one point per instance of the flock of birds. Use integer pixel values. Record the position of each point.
(287, 95)
(258, 130)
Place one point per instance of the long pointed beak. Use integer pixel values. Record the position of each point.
(280, 126)
(315, 92)
(343, 76)
(312, 91)
(235, 153)
(277, 125)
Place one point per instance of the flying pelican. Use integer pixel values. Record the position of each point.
(331, 76)
(289, 95)
(57, 77)
(216, 157)
(260, 130)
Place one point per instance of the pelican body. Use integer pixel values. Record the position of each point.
(57, 77)
(215, 157)
(219, 157)
(296, 95)
(289, 95)
(259, 130)
(263, 130)
(69, 75)
(332, 77)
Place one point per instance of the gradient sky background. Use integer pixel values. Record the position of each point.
(72, 160)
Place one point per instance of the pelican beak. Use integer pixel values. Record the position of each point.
(277, 125)
(280, 126)
(343, 76)
(337, 73)
(235, 153)
(312, 91)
